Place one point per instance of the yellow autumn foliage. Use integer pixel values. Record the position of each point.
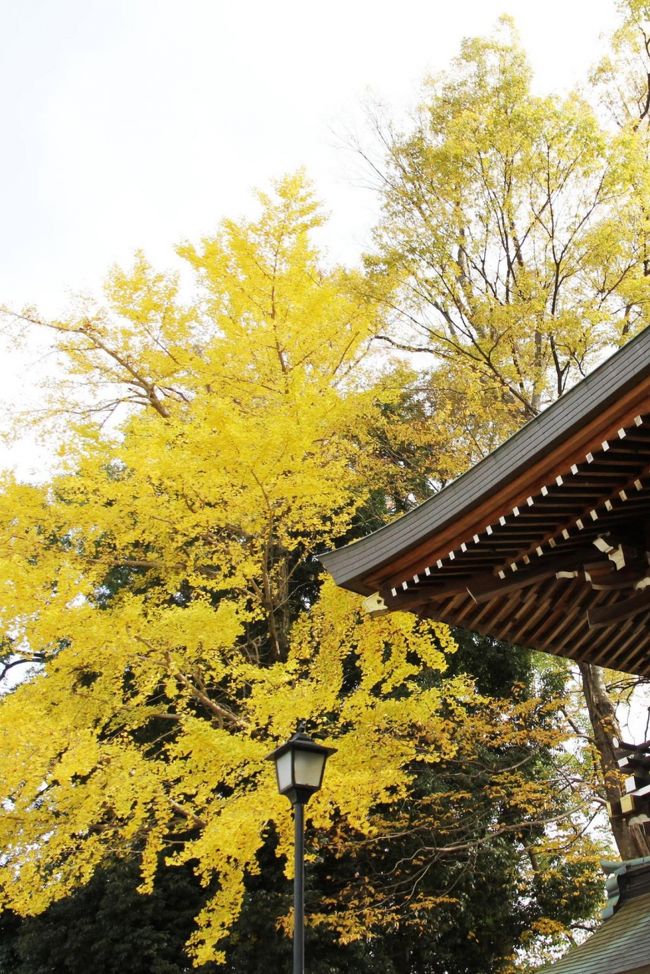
(155, 580)
(163, 586)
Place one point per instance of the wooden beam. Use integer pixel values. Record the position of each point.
(619, 414)
(607, 615)
(629, 804)
(485, 587)
(613, 809)
(624, 579)
(406, 601)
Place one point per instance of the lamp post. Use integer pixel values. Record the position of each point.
(299, 766)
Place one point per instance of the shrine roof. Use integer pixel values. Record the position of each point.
(535, 526)
(621, 945)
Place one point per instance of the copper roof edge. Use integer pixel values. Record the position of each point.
(622, 371)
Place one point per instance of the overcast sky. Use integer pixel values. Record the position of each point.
(136, 123)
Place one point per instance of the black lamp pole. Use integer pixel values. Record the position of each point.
(299, 889)
(299, 766)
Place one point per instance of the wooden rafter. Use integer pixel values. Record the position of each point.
(546, 541)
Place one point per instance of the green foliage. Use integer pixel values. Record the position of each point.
(109, 927)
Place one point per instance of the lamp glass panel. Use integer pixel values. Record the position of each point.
(283, 766)
(309, 768)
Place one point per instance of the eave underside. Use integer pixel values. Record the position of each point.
(573, 427)
(565, 571)
(546, 542)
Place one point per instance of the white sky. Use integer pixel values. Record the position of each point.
(137, 123)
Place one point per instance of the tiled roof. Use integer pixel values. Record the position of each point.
(620, 946)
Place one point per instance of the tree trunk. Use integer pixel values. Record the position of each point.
(632, 841)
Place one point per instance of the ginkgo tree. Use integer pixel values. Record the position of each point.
(512, 228)
(163, 586)
(512, 250)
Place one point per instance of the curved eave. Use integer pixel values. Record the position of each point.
(579, 421)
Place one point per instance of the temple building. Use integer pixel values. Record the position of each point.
(546, 543)
(543, 543)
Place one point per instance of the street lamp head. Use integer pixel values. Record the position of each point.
(299, 766)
